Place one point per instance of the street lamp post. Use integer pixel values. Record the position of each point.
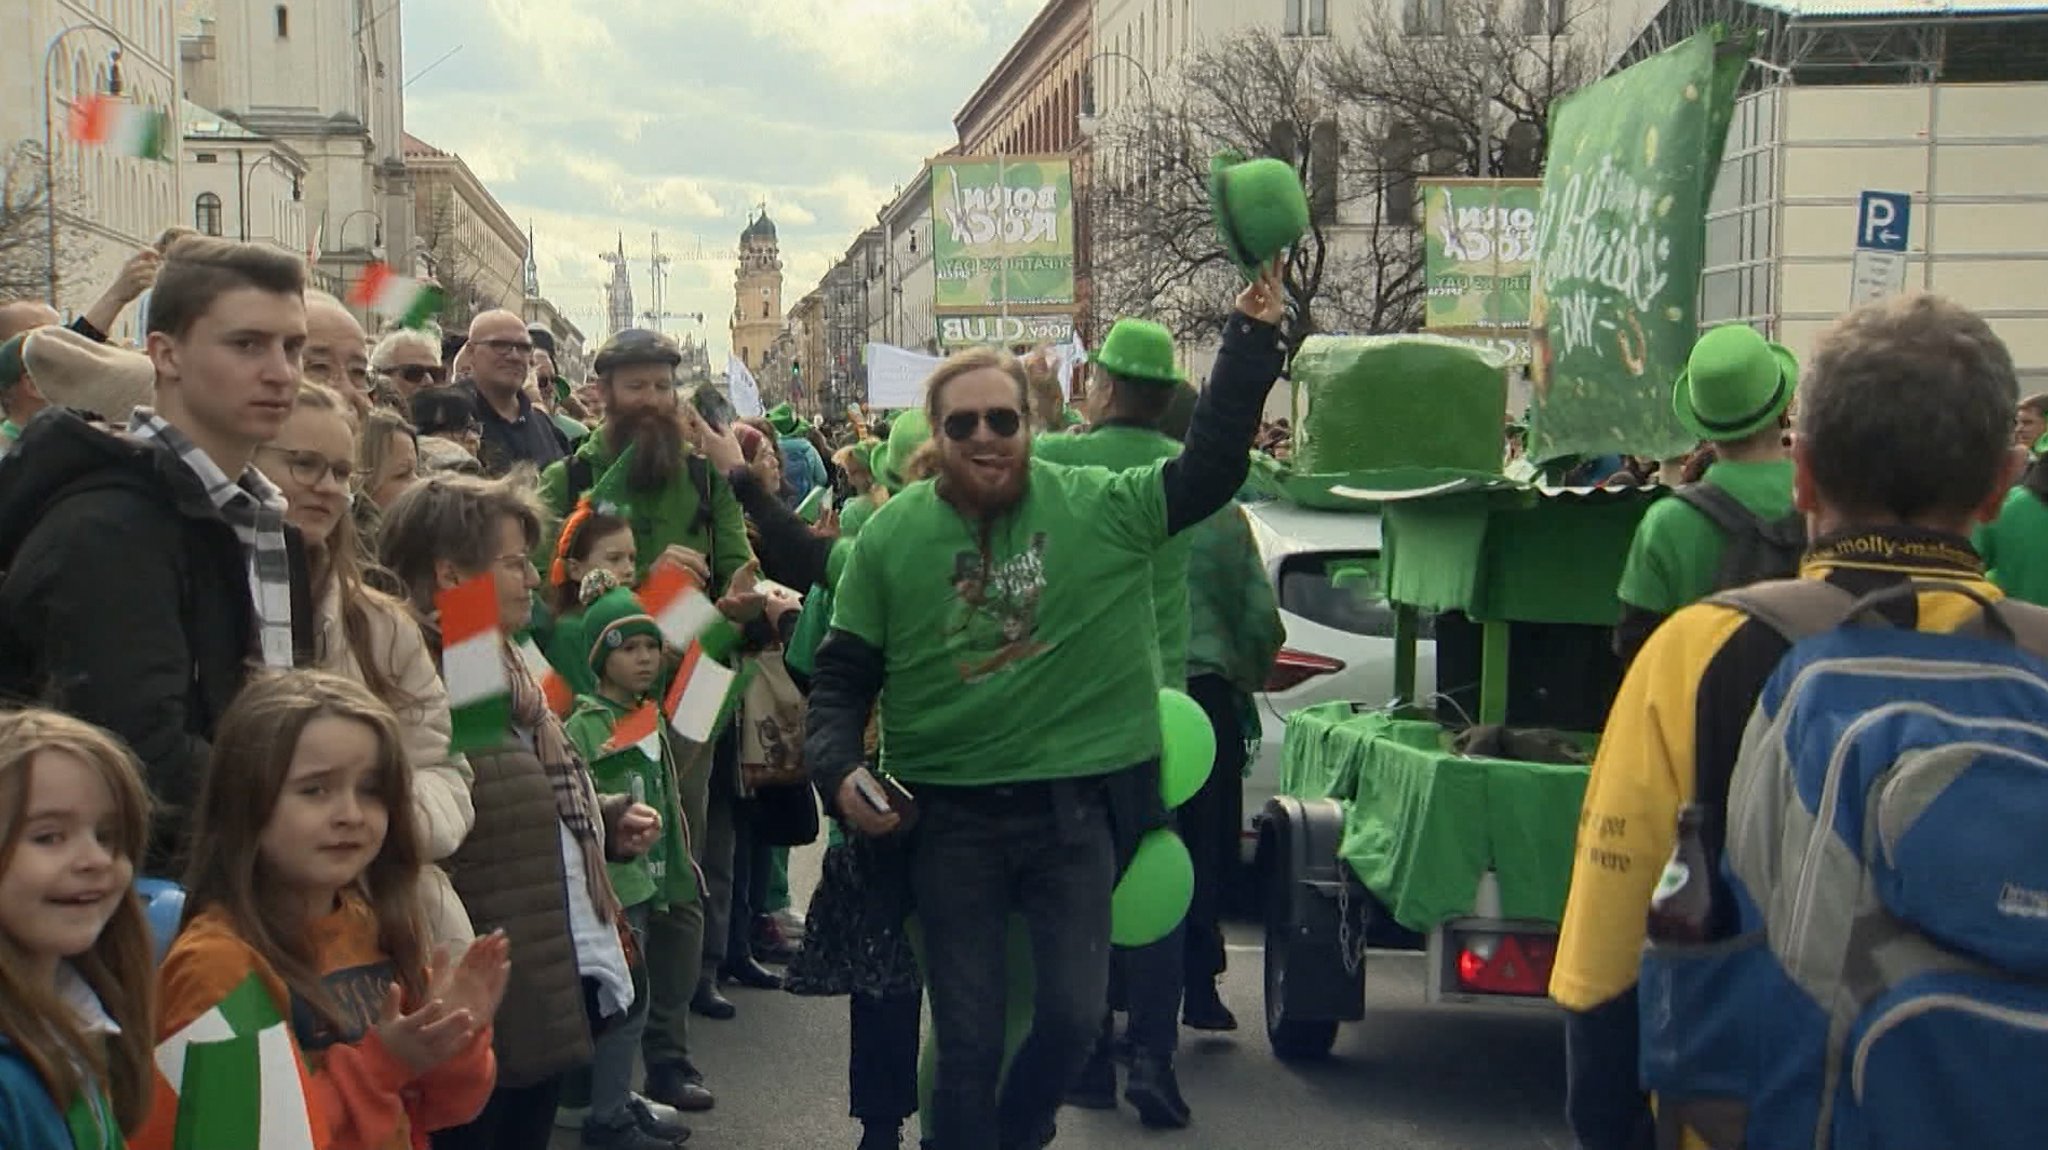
(249, 181)
(376, 236)
(49, 136)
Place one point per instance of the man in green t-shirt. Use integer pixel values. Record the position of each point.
(1001, 613)
(1734, 393)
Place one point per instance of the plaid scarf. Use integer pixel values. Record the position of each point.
(575, 796)
(255, 508)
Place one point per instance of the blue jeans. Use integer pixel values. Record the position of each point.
(611, 1065)
(1042, 850)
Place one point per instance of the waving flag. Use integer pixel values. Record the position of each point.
(120, 127)
(745, 391)
(679, 606)
(641, 729)
(479, 694)
(399, 298)
(696, 702)
(561, 699)
(230, 1080)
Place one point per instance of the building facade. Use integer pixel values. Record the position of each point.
(807, 321)
(757, 295)
(570, 351)
(326, 78)
(908, 321)
(466, 242)
(106, 206)
(242, 185)
(1030, 104)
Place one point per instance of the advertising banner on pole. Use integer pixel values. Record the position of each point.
(1479, 252)
(1619, 244)
(1002, 233)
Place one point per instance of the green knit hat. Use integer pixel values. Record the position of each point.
(1735, 384)
(1139, 350)
(784, 419)
(907, 433)
(610, 620)
(1259, 207)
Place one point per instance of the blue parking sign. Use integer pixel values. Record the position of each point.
(1883, 220)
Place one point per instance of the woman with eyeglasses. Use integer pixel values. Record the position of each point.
(365, 635)
(410, 359)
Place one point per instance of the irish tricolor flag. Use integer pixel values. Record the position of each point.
(696, 702)
(402, 299)
(641, 730)
(679, 606)
(120, 127)
(231, 1080)
(561, 699)
(479, 694)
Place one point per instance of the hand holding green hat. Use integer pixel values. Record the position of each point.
(1735, 384)
(1259, 205)
(1138, 349)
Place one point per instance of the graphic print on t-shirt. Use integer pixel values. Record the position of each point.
(357, 993)
(996, 611)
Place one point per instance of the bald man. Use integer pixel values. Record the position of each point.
(515, 432)
(337, 350)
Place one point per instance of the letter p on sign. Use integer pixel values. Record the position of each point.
(1882, 221)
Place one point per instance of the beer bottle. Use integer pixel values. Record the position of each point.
(1682, 909)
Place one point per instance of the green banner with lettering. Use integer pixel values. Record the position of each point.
(1479, 252)
(1619, 245)
(1002, 233)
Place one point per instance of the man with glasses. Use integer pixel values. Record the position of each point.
(514, 432)
(410, 359)
(974, 605)
(147, 573)
(337, 350)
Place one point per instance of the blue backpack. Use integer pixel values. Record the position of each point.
(1887, 855)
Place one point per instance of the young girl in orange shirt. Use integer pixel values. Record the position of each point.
(304, 873)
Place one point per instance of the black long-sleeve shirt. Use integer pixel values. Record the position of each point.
(1197, 483)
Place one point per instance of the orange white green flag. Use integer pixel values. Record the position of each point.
(231, 1079)
(560, 696)
(120, 127)
(472, 664)
(678, 604)
(401, 299)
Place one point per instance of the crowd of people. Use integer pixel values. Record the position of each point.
(227, 560)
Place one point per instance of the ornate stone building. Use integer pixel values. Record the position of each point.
(757, 296)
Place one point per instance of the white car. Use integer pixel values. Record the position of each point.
(1340, 629)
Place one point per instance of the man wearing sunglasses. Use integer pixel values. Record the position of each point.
(515, 432)
(410, 359)
(1004, 613)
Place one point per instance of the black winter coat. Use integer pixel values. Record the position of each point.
(125, 601)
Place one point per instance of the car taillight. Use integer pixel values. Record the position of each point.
(1507, 964)
(1293, 668)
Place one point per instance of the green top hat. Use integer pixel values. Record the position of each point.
(1735, 384)
(1259, 205)
(907, 433)
(1138, 349)
(784, 419)
(609, 621)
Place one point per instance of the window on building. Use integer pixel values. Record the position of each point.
(206, 213)
(1290, 24)
(284, 22)
(1324, 155)
(1319, 17)
(205, 158)
(1542, 17)
(1424, 17)
(764, 309)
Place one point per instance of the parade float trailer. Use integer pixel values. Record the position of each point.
(1436, 814)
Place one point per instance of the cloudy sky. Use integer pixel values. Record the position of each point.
(594, 117)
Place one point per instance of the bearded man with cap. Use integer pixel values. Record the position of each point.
(1734, 393)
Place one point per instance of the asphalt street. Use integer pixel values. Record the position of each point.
(1410, 1076)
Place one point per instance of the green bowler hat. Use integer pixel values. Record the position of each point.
(1140, 350)
(1259, 206)
(1735, 384)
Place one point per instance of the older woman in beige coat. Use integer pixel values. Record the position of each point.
(365, 635)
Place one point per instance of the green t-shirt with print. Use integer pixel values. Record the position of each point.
(1676, 551)
(1119, 449)
(1017, 652)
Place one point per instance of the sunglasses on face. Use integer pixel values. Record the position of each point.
(517, 347)
(1003, 423)
(416, 373)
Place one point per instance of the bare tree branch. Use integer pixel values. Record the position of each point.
(25, 202)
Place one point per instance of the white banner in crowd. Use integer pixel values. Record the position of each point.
(896, 377)
(1072, 357)
(744, 392)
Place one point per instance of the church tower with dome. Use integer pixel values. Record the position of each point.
(757, 296)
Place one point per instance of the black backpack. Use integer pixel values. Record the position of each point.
(1753, 549)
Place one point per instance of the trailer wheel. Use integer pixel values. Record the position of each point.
(1283, 836)
(1292, 1039)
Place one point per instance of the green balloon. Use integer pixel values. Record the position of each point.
(1154, 893)
(1187, 746)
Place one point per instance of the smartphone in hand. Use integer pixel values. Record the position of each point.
(716, 409)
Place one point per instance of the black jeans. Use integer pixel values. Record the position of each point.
(516, 1118)
(1211, 823)
(881, 1066)
(978, 855)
